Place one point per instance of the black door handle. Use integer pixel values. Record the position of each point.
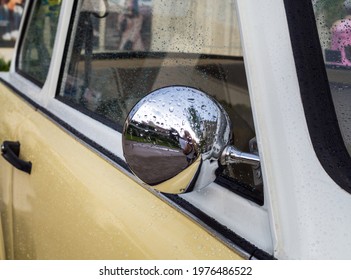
(10, 151)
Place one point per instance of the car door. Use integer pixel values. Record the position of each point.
(80, 67)
(76, 203)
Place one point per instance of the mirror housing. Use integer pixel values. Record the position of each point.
(172, 132)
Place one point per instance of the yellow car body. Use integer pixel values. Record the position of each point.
(75, 206)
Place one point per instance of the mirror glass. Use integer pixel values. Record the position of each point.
(172, 129)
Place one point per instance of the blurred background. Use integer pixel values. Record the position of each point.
(10, 18)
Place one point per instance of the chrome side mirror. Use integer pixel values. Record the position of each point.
(172, 132)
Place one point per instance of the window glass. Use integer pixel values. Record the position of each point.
(38, 41)
(121, 50)
(333, 18)
(10, 19)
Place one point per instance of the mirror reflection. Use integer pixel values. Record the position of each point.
(170, 129)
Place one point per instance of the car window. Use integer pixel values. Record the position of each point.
(38, 41)
(333, 20)
(120, 51)
(10, 19)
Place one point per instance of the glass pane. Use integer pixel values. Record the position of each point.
(333, 18)
(10, 19)
(38, 42)
(122, 50)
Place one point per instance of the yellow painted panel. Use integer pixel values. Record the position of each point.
(13, 112)
(2, 243)
(76, 205)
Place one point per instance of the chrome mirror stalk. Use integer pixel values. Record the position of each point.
(231, 155)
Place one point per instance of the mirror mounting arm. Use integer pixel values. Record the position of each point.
(232, 155)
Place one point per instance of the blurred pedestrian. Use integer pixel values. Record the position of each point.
(130, 25)
(10, 19)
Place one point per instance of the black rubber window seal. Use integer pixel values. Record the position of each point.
(316, 95)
